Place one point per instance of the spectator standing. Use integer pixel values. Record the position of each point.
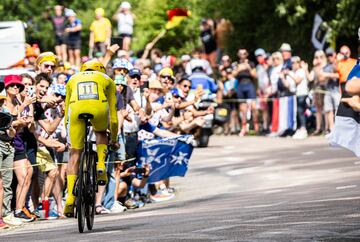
(264, 86)
(222, 32)
(100, 33)
(316, 76)
(245, 74)
(58, 21)
(73, 30)
(298, 75)
(285, 50)
(23, 171)
(332, 95)
(207, 36)
(345, 64)
(125, 19)
(6, 175)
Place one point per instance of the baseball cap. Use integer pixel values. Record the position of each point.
(185, 58)
(69, 12)
(260, 51)
(134, 72)
(285, 47)
(125, 5)
(100, 11)
(295, 59)
(329, 51)
(176, 92)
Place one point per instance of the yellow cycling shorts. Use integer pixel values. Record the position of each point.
(76, 126)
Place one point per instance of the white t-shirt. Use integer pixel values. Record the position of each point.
(125, 23)
(274, 78)
(302, 87)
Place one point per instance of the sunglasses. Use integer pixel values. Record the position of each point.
(18, 86)
(186, 86)
(49, 66)
(122, 70)
(135, 77)
(168, 77)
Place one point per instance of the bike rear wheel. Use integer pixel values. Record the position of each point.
(91, 188)
(81, 195)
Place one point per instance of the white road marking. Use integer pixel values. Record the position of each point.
(266, 205)
(241, 171)
(229, 147)
(357, 163)
(345, 187)
(308, 153)
(269, 162)
(329, 200)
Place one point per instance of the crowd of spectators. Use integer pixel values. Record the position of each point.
(157, 96)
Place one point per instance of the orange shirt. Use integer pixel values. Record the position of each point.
(344, 67)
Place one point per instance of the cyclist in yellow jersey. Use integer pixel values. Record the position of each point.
(89, 91)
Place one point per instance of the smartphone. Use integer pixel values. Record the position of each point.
(139, 170)
(31, 90)
(199, 88)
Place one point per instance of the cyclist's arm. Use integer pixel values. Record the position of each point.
(112, 109)
(67, 101)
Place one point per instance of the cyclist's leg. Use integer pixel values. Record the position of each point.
(101, 147)
(76, 133)
(100, 124)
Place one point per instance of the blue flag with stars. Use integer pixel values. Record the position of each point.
(167, 157)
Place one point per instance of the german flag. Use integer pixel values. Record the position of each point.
(175, 16)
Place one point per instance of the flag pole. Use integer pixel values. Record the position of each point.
(150, 45)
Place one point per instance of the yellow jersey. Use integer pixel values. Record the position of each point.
(95, 93)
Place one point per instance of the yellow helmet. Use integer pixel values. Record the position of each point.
(93, 65)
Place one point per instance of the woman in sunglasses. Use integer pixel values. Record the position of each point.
(23, 171)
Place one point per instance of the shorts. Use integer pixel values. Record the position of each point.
(126, 35)
(76, 126)
(44, 160)
(59, 40)
(74, 44)
(246, 90)
(332, 100)
(99, 47)
(319, 100)
(20, 155)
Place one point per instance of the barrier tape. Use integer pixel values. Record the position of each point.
(57, 163)
(264, 99)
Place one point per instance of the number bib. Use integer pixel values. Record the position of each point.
(87, 90)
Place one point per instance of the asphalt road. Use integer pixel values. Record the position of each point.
(238, 189)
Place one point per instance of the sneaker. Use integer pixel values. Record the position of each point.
(131, 204)
(12, 221)
(24, 218)
(117, 207)
(3, 225)
(162, 196)
(99, 209)
(28, 213)
(300, 134)
(52, 215)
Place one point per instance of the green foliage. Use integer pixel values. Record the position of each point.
(256, 23)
